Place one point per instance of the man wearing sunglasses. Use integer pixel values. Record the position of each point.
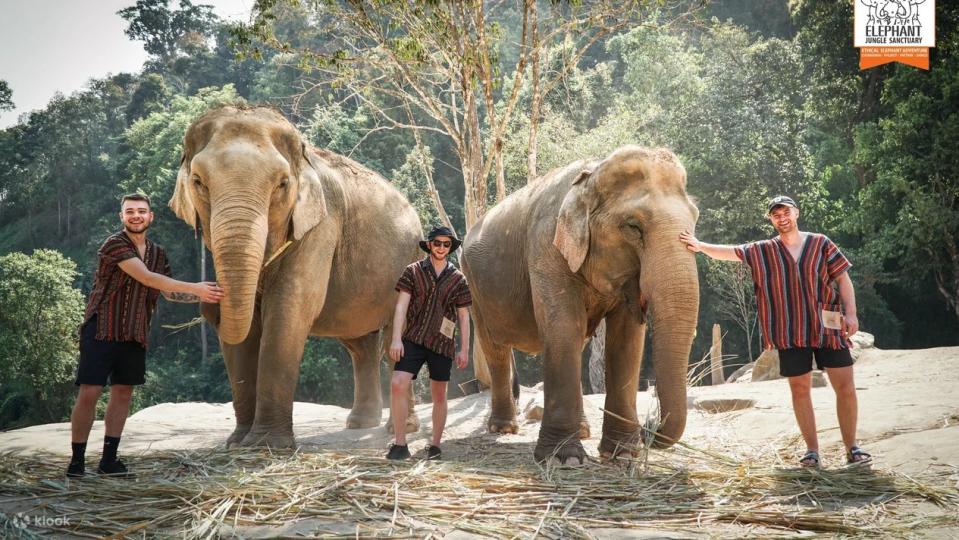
(434, 297)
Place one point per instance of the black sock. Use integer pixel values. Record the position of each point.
(79, 452)
(110, 445)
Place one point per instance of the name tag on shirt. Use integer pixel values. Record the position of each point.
(447, 328)
(832, 319)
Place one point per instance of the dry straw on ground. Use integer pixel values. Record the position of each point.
(492, 489)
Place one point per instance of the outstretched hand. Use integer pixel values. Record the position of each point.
(692, 244)
(209, 292)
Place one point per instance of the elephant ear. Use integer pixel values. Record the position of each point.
(310, 207)
(572, 223)
(182, 203)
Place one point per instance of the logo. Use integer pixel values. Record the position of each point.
(23, 521)
(20, 520)
(895, 31)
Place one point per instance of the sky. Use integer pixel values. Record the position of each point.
(49, 46)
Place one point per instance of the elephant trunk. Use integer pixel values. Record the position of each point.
(238, 234)
(671, 284)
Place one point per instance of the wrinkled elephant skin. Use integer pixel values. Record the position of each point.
(593, 240)
(304, 242)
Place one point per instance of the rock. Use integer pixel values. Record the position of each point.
(742, 374)
(533, 411)
(724, 405)
(863, 340)
(766, 366)
(818, 379)
(535, 414)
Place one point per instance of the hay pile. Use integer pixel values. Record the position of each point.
(494, 491)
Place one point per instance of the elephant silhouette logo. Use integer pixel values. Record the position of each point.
(896, 24)
(893, 12)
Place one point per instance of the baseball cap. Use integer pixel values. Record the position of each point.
(781, 200)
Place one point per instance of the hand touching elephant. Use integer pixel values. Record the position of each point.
(590, 241)
(305, 242)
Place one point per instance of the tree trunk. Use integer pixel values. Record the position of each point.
(597, 360)
(716, 356)
(536, 99)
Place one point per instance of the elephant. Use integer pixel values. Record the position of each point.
(304, 242)
(593, 240)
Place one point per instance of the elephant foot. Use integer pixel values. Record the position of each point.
(236, 438)
(503, 425)
(361, 421)
(620, 443)
(412, 424)
(268, 439)
(560, 446)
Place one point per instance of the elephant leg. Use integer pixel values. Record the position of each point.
(367, 400)
(241, 366)
(281, 351)
(562, 325)
(625, 338)
(502, 418)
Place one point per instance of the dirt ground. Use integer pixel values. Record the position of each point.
(908, 420)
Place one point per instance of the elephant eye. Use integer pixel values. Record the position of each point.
(197, 182)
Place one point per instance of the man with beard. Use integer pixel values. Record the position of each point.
(433, 293)
(801, 315)
(131, 273)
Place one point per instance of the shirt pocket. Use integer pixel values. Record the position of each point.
(830, 319)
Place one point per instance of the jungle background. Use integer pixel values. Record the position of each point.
(756, 98)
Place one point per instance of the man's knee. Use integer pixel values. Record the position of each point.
(400, 383)
(122, 393)
(438, 390)
(841, 380)
(800, 385)
(89, 393)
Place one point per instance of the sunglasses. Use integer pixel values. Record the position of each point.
(441, 243)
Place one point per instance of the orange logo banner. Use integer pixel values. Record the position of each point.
(877, 56)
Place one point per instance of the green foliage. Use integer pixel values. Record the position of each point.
(165, 32)
(411, 182)
(6, 97)
(40, 312)
(326, 374)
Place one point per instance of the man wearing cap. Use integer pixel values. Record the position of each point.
(433, 297)
(801, 315)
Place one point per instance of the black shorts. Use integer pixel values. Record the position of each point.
(798, 360)
(123, 362)
(414, 356)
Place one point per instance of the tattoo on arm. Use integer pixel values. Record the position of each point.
(183, 298)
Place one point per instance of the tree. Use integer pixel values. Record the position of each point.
(165, 32)
(40, 312)
(734, 286)
(6, 97)
(910, 211)
(446, 62)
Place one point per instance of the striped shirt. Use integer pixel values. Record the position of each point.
(123, 305)
(791, 294)
(433, 298)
